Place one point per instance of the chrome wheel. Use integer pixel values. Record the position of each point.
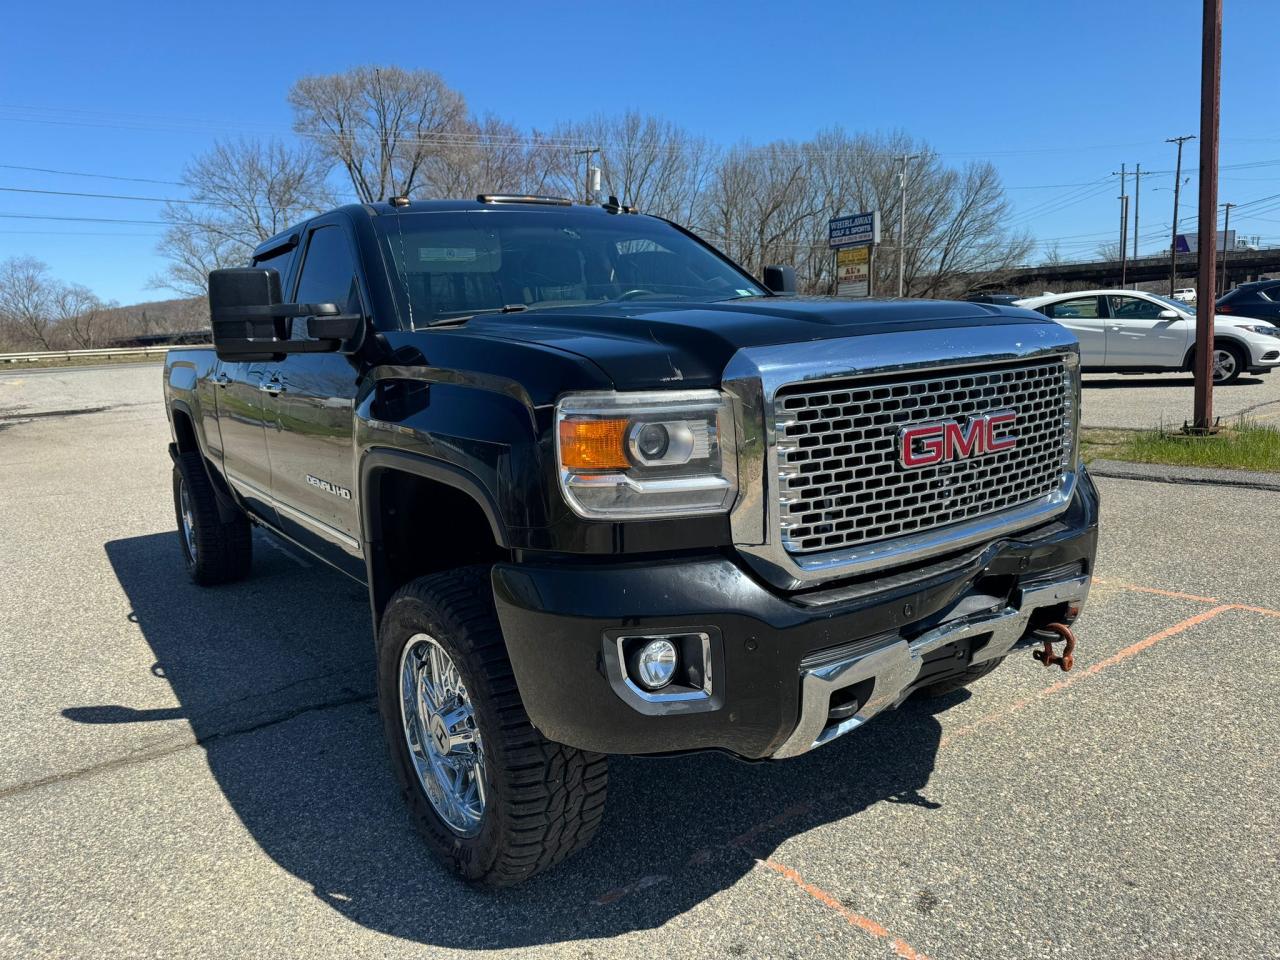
(440, 732)
(188, 530)
(1224, 365)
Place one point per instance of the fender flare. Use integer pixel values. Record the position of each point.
(380, 459)
(228, 508)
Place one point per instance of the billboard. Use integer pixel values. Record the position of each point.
(855, 230)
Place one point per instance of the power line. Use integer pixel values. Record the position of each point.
(98, 176)
(32, 216)
(113, 196)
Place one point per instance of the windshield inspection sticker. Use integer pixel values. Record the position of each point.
(447, 254)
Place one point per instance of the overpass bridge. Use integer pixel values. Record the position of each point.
(1242, 265)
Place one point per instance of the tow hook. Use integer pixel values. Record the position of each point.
(1046, 655)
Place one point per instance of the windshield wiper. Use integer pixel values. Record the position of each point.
(455, 321)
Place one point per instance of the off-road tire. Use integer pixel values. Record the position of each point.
(544, 800)
(222, 551)
(975, 672)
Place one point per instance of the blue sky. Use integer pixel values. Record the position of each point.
(1052, 93)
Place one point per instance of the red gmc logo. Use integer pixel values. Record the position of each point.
(930, 443)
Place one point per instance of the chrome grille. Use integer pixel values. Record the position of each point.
(840, 480)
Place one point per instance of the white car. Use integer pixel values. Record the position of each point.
(1186, 294)
(1128, 331)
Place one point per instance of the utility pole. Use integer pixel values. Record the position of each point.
(1226, 240)
(1210, 103)
(1137, 195)
(902, 216)
(1124, 238)
(1177, 187)
(589, 152)
(1124, 222)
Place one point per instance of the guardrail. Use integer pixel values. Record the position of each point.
(104, 353)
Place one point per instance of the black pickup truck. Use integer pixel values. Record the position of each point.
(611, 494)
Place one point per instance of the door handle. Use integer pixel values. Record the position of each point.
(221, 380)
(272, 386)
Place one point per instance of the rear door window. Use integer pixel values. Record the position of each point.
(1079, 308)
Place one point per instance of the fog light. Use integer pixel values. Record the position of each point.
(656, 664)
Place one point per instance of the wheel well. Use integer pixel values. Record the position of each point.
(184, 432)
(1189, 359)
(424, 526)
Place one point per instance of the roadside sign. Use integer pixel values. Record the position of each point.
(853, 272)
(857, 229)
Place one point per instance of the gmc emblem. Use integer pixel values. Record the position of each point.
(926, 444)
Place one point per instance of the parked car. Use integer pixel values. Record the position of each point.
(1003, 299)
(611, 494)
(1128, 331)
(1186, 295)
(1259, 300)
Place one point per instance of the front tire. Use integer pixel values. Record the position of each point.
(1229, 362)
(493, 798)
(214, 551)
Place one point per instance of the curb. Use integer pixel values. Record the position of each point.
(1165, 473)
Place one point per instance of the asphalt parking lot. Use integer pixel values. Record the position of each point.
(188, 772)
(1165, 400)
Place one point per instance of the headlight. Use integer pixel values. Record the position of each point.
(1266, 329)
(626, 456)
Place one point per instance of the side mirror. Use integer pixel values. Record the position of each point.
(250, 323)
(781, 280)
(1168, 314)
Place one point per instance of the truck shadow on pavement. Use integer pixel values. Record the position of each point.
(274, 676)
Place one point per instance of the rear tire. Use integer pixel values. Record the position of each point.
(214, 551)
(538, 801)
(973, 673)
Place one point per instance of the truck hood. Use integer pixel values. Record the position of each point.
(646, 345)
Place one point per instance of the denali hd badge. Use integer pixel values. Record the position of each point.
(333, 488)
(926, 444)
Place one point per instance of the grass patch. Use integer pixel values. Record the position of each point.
(1243, 446)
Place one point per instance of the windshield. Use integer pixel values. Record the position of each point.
(1175, 304)
(459, 263)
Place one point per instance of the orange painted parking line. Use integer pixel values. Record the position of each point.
(1133, 587)
(1092, 670)
(865, 924)
(1137, 588)
(1262, 610)
(795, 811)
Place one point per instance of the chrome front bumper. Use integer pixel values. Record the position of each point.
(894, 667)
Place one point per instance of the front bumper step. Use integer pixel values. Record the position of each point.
(893, 667)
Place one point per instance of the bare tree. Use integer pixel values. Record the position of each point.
(772, 203)
(492, 156)
(242, 193)
(759, 204)
(76, 311)
(645, 161)
(26, 302)
(383, 125)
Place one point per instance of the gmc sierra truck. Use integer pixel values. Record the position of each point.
(610, 494)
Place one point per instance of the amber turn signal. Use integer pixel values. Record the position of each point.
(593, 444)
